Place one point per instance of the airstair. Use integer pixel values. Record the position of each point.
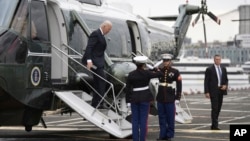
(106, 119)
(111, 119)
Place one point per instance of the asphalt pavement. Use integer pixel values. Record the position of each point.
(72, 127)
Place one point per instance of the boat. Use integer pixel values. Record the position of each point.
(246, 67)
(193, 69)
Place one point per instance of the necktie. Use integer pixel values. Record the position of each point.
(220, 74)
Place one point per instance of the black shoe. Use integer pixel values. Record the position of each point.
(215, 128)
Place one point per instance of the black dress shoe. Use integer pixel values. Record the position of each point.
(215, 128)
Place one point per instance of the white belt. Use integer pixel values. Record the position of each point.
(141, 88)
(167, 84)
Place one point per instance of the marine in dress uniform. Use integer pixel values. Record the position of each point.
(169, 93)
(138, 94)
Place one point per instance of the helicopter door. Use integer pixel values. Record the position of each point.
(135, 36)
(59, 65)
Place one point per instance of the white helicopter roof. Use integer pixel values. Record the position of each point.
(109, 11)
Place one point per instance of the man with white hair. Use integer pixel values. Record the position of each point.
(94, 59)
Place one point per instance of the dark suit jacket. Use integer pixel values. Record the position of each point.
(95, 49)
(211, 80)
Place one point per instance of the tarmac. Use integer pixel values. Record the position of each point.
(67, 127)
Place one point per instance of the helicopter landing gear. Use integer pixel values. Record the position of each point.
(28, 128)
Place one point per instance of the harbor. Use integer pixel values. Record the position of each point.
(192, 70)
(69, 127)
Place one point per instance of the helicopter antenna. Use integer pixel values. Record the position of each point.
(203, 12)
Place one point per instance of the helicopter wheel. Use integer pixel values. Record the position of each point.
(28, 128)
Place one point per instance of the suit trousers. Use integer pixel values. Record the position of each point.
(99, 85)
(216, 104)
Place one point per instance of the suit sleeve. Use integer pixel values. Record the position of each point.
(206, 80)
(93, 39)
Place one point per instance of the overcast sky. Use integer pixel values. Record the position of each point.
(158, 7)
(224, 32)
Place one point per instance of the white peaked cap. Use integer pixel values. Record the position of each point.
(167, 56)
(140, 59)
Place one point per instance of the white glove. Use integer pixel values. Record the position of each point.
(177, 101)
(128, 104)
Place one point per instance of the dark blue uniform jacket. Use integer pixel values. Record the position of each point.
(137, 79)
(169, 93)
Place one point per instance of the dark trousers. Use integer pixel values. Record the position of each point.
(140, 120)
(216, 103)
(166, 115)
(99, 85)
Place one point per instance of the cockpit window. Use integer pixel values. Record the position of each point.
(38, 24)
(20, 21)
(7, 9)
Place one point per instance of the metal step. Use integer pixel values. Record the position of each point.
(182, 116)
(107, 120)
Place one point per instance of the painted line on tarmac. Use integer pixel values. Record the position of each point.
(201, 131)
(191, 131)
(201, 138)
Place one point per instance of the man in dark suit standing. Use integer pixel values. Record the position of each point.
(215, 85)
(94, 59)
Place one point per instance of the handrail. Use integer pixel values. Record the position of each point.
(104, 70)
(83, 67)
(118, 80)
(115, 107)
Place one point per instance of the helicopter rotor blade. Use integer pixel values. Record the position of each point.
(215, 18)
(205, 34)
(196, 19)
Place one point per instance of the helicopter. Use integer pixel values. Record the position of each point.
(41, 46)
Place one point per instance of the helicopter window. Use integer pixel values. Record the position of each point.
(76, 36)
(77, 40)
(39, 28)
(117, 39)
(19, 23)
(7, 9)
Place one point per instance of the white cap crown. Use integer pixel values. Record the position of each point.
(166, 56)
(140, 59)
